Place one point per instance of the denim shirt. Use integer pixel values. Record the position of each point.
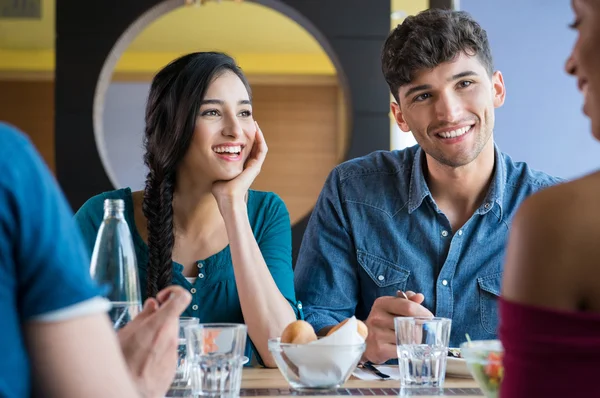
(376, 229)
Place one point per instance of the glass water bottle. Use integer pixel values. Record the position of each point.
(114, 265)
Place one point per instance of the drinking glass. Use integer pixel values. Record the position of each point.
(422, 345)
(182, 374)
(215, 354)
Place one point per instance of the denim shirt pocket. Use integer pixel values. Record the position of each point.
(489, 292)
(385, 277)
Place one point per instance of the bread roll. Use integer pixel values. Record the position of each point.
(298, 332)
(360, 326)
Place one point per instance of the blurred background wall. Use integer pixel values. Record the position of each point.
(542, 120)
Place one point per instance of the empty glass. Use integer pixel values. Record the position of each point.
(422, 345)
(182, 375)
(215, 355)
(114, 265)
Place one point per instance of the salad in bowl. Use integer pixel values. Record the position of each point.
(484, 359)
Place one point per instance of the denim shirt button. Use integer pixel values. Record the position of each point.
(487, 205)
(445, 282)
(459, 232)
(444, 233)
(193, 290)
(200, 276)
(381, 277)
(194, 307)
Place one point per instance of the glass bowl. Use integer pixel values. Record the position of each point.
(484, 360)
(316, 366)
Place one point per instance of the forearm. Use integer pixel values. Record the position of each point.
(266, 311)
(78, 358)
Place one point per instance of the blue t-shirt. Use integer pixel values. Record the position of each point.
(214, 293)
(43, 263)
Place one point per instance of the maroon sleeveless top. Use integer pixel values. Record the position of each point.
(549, 353)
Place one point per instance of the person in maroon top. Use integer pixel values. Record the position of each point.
(550, 309)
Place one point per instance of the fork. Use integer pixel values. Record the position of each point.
(371, 368)
(368, 365)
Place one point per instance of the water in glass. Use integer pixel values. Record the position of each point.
(215, 358)
(422, 347)
(422, 365)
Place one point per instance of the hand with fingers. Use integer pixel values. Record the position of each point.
(381, 341)
(232, 191)
(149, 342)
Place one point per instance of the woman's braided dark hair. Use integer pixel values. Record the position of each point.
(171, 111)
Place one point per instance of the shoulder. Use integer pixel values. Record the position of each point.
(380, 179)
(18, 156)
(98, 200)
(378, 162)
(520, 175)
(24, 176)
(268, 215)
(553, 240)
(94, 206)
(570, 204)
(265, 201)
(12, 139)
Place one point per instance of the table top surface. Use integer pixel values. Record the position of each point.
(258, 382)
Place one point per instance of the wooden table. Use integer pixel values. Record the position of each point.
(258, 382)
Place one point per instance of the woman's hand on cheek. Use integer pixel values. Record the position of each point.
(233, 191)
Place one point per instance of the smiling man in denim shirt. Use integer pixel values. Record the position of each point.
(420, 231)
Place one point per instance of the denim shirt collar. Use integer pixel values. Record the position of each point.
(418, 189)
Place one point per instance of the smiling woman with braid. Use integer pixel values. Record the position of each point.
(197, 224)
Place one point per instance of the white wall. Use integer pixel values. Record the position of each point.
(542, 121)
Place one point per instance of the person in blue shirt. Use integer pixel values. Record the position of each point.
(421, 231)
(197, 223)
(56, 339)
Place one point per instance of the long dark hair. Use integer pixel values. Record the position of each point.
(171, 111)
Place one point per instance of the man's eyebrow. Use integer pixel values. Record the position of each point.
(417, 88)
(463, 74)
(423, 87)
